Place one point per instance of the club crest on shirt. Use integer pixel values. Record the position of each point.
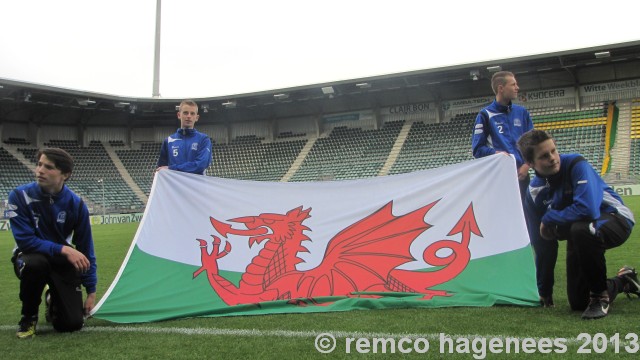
(194, 146)
(517, 122)
(62, 216)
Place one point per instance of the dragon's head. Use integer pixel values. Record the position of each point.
(275, 227)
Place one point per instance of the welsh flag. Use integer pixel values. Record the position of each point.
(206, 246)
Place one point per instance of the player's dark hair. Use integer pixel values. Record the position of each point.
(60, 158)
(529, 140)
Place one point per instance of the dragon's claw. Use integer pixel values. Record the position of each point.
(227, 248)
(203, 243)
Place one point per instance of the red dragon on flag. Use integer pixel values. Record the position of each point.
(363, 258)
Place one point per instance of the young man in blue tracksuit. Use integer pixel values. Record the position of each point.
(186, 150)
(568, 200)
(499, 125)
(54, 246)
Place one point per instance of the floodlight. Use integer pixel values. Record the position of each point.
(328, 90)
(85, 102)
(229, 104)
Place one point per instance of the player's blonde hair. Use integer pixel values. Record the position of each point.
(189, 102)
(500, 78)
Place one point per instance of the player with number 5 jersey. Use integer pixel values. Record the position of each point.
(186, 150)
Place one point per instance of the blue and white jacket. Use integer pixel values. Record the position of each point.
(575, 193)
(44, 223)
(187, 150)
(498, 128)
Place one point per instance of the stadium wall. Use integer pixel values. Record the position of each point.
(142, 135)
(628, 89)
(14, 130)
(365, 120)
(260, 129)
(106, 134)
(627, 190)
(218, 133)
(46, 133)
(298, 125)
(422, 111)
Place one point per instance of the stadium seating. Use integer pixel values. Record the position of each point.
(17, 141)
(580, 131)
(434, 145)
(116, 143)
(141, 164)
(13, 173)
(250, 158)
(341, 153)
(349, 153)
(92, 163)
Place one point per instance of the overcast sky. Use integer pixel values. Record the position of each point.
(218, 48)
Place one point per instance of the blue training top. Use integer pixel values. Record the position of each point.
(588, 197)
(186, 150)
(44, 223)
(498, 128)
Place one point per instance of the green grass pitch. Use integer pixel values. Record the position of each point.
(292, 336)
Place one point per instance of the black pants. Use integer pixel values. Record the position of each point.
(586, 263)
(37, 270)
(524, 189)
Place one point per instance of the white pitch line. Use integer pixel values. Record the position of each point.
(295, 334)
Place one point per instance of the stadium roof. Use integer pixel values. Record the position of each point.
(559, 69)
